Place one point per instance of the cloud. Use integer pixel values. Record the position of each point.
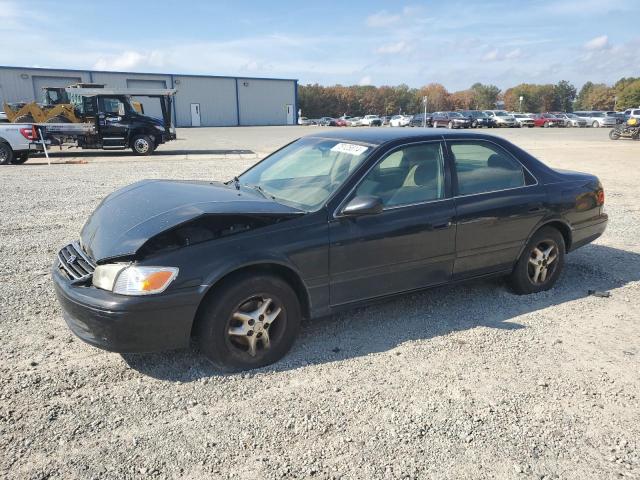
(513, 54)
(598, 43)
(491, 56)
(382, 19)
(366, 80)
(397, 47)
(131, 60)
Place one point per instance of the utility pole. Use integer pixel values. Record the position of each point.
(521, 98)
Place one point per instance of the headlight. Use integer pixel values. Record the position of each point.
(133, 280)
(159, 128)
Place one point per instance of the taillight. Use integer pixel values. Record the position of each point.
(600, 197)
(29, 133)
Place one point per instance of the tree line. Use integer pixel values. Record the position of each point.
(317, 100)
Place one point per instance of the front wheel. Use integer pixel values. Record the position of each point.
(540, 263)
(6, 153)
(614, 134)
(450, 125)
(595, 124)
(143, 145)
(249, 321)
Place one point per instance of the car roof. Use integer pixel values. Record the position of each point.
(379, 136)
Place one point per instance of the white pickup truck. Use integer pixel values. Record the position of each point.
(16, 141)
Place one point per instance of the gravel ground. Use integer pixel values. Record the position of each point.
(465, 382)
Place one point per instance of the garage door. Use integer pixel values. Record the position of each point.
(43, 81)
(151, 105)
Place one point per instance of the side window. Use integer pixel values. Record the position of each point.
(413, 174)
(482, 167)
(112, 105)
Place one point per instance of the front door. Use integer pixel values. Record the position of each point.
(113, 122)
(410, 244)
(498, 203)
(289, 114)
(195, 114)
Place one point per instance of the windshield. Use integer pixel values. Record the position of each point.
(597, 114)
(502, 114)
(455, 114)
(305, 173)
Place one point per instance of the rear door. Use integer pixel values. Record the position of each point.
(498, 202)
(411, 244)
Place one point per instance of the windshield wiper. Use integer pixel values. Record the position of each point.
(261, 190)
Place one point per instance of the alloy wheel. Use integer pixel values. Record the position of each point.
(542, 262)
(141, 145)
(255, 325)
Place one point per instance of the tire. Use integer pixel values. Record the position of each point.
(20, 158)
(143, 145)
(246, 294)
(595, 124)
(523, 280)
(450, 125)
(545, 124)
(6, 154)
(614, 134)
(58, 119)
(24, 119)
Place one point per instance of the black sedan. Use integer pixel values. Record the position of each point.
(325, 223)
(450, 120)
(421, 120)
(479, 119)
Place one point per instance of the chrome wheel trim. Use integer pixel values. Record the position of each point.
(250, 326)
(4, 154)
(543, 261)
(141, 145)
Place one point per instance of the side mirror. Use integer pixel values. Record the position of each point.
(363, 205)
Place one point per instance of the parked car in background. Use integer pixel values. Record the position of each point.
(571, 120)
(16, 142)
(341, 122)
(450, 120)
(354, 121)
(502, 118)
(632, 113)
(400, 121)
(385, 119)
(597, 119)
(419, 120)
(305, 121)
(402, 211)
(524, 120)
(3, 117)
(327, 122)
(479, 119)
(548, 120)
(371, 121)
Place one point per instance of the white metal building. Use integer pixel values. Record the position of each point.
(207, 101)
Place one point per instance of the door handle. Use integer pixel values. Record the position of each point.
(535, 208)
(441, 226)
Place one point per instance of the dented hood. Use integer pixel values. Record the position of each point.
(127, 218)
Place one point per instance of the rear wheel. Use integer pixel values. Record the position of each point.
(540, 263)
(20, 158)
(249, 321)
(595, 124)
(6, 153)
(143, 145)
(614, 134)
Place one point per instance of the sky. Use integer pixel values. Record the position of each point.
(456, 43)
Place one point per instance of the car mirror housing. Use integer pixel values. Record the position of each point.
(363, 205)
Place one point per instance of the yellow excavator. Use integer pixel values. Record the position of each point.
(56, 108)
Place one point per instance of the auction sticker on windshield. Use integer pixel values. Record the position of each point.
(350, 148)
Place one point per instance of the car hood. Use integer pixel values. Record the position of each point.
(131, 216)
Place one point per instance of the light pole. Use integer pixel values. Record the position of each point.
(521, 98)
(424, 119)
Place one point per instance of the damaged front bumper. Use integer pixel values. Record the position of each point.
(127, 324)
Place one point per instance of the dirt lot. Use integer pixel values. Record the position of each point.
(467, 382)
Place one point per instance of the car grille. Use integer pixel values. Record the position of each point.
(76, 265)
